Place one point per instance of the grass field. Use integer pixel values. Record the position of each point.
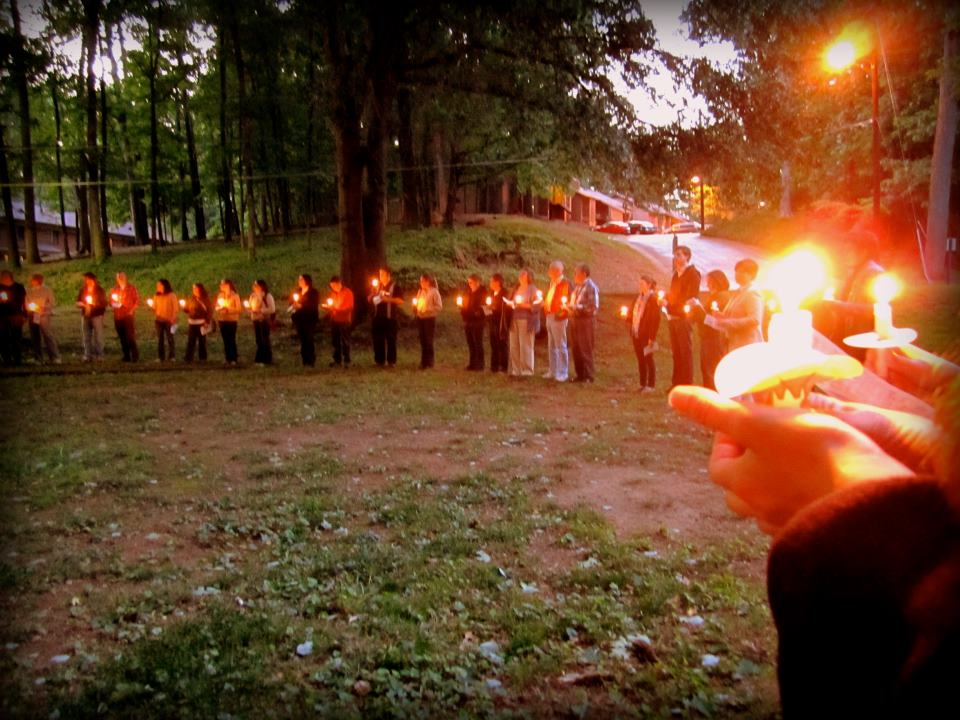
(280, 542)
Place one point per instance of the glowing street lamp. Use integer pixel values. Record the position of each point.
(855, 42)
(698, 180)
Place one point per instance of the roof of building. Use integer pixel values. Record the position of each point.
(45, 216)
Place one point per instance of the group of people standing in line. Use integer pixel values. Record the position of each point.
(511, 316)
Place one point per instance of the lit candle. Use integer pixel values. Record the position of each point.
(830, 294)
(885, 288)
(183, 303)
(221, 302)
(329, 302)
(459, 301)
(115, 297)
(150, 302)
(686, 308)
(797, 276)
(623, 311)
(489, 301)
(518, 299)
(539, 295)
(661, 295)
(32, 307)
(296, 297)
(246, 304)
(564, 300)
(375, 282)
(3, 296)
(714, 306)
(89, 299)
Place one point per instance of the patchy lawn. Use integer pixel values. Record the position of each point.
(280, 542)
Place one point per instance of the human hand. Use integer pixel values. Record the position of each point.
(774, 462)
(912, 369)
(909, 438)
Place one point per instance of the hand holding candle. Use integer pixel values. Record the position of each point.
(115, 297)
(221, 303)
(296, 297)
(150, 302)
(459, 301)
(246, 304)
(32, 307)
(375, 283)
(489, 301)
(329, 302)
(183, 303)
(624, 311)
(89, 299)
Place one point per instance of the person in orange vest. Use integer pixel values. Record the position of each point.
(124, 300)
(340, 306)
(555, 307)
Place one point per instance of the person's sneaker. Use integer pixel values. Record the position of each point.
(547, 376)
(561, 380)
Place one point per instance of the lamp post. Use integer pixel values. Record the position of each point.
(855, 42)
(697, 180)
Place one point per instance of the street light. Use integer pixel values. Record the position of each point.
(857, 41)
(697, 180)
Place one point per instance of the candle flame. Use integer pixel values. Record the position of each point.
(564, 300)
(183, 303)
(796, 276)
(459, 301)
(296, 297)
(115, 297)
(89, 299)
(32, 307)
(329, 302)
(518, 299)
(715, 306)
(221, 302)
(686, 308)
(375, 282)
(661, 295)
(246, 304)
(885, 287)
(150, 302)
(623, 311)
(4, 296)
(489, 301)
(830, 293)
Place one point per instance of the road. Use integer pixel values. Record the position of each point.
(708, 253)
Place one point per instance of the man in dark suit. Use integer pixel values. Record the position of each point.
(684, 285)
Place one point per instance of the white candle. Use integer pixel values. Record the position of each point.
(623, 311)
(459, 301)
(885, 288)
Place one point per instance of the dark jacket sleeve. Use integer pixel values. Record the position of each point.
(848, 580)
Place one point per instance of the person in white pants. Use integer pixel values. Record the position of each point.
(555, 308)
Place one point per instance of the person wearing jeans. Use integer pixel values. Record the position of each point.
(92, 301)
(40, 304)
(555, 308)
(166, 308)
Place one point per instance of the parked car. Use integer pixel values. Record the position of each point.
(685, 227)
(614, 227)
(641, 227)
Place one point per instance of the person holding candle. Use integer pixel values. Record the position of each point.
(584, 304)
(262, 307)
(341, 321)
(524, 325)
(166, 309)
(40, 304)
(426, 306)
(12, 317)
(556, 311)
(306, 315)
(863, 575)
(385, 296)
(713, 343)
(499, 315)
(92, 301)
(684, 285)
(124, 300)
(472, 313)
(199, 309)
(741, 318)
(228, 308)
(643, 319)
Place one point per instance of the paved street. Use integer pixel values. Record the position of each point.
(708, 253)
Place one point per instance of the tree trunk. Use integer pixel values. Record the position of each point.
(196, 192)
(226, 183)
(246, 136)
(154, 55)
(453, 187)
(409, 176)
(14, 250)
(375, 194)
(427, 187)
(29, 206)
(938, 207)
(99, 245)
(83, 221)
(103, 164)
(138, 215)
(283, 184)
(57, 144)
(182, 194)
